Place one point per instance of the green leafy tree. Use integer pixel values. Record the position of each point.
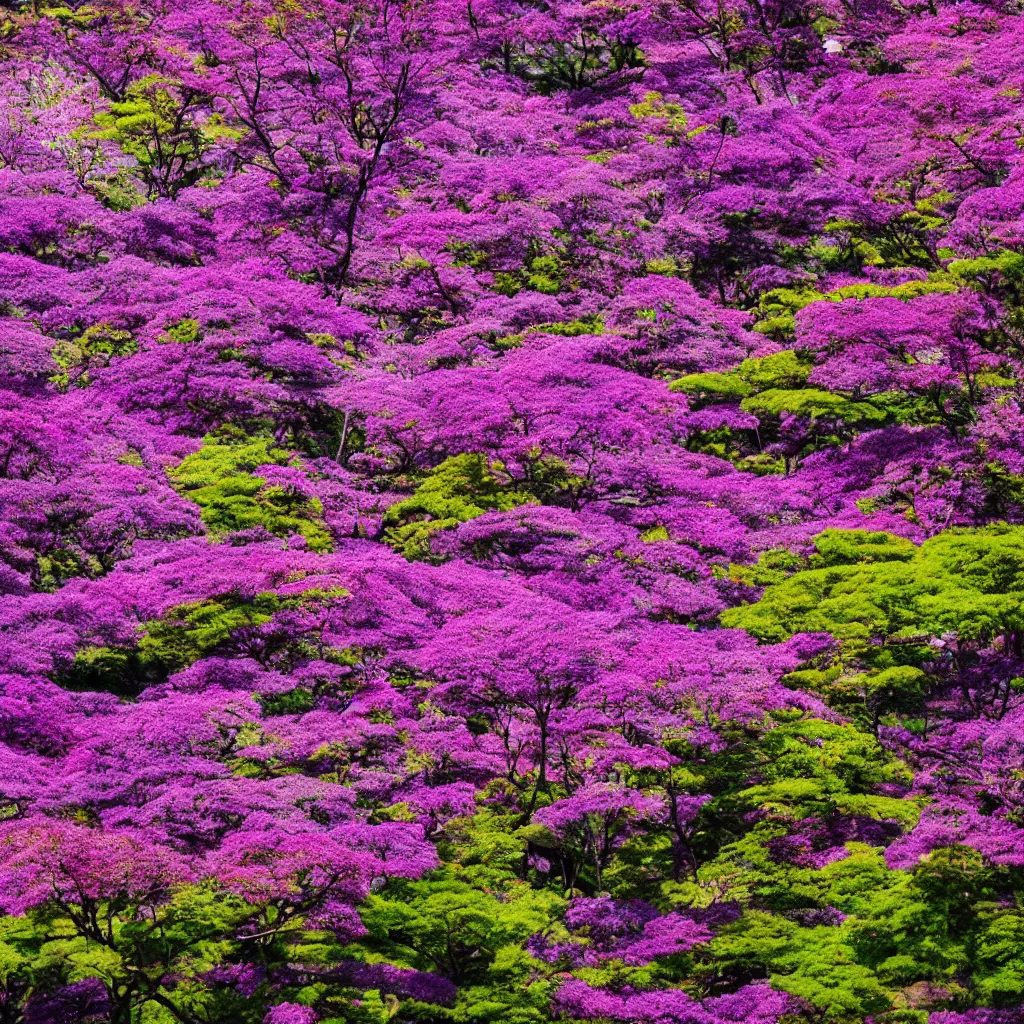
(959, 595)
(93, 348)
(167, 128)
(469, 925)
(221, 479)
(461, 488)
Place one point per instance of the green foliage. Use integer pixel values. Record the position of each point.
(772, 387)
(461, 488)
(119, 191)
(220, 478)
(665, 266)
(188, 632)
(157, 126)
(564, 329)
(19, 956)
(469, 924)
(448, 925)
(149, 958)
(1001, 276)
(946, 924)
(110, 669)
(817, 769)
(93, 348)
(780, 370)
(193, 631)
(55, 567)
(570, 328)
(969, 582)
(814, 964)
(772, 566)
(906, 240)
(858, 547)
(653, 105)
(847, 934)
(662, 120)
(896, 609)
(777, 309)
(545, 275)
(544, 272)
(710, 386)
(184, 332)
(655, 534)
(814, 404)
(937, 284)
(293, 702)
(506, 284)
(1006, 267)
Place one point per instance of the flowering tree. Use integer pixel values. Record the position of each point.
(511, 512)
